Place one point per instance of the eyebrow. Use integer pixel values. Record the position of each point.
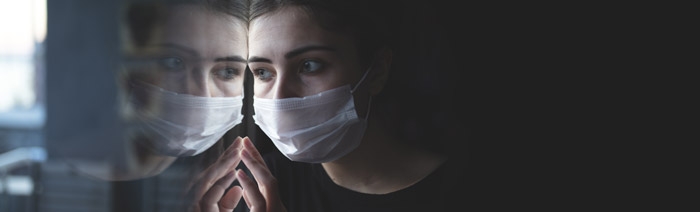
(304, 49)
(294, 53)
(259, 60)
(194, 53)
(230, 59)
(179, 47)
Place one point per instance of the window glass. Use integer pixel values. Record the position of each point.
(21, 62)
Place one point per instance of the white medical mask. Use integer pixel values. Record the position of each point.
(176, 124)
(313, 129)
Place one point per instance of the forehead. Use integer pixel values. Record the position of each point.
(283, 17)
(206, 32)
(196, 21)
(288, 28)
(149, 23)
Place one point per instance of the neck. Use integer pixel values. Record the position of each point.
(381, 164)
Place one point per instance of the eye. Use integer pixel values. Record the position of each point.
(226, 73)
(262, 74)
(171, 63)
(310, 66)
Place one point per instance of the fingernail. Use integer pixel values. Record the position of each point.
(249, 143)
(240, 174)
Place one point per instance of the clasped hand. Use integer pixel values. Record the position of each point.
(208, 192)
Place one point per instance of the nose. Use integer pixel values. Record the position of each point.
(286, 86)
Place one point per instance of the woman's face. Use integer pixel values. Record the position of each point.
(290, 55)
(194, 51)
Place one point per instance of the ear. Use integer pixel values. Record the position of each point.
(380, 70)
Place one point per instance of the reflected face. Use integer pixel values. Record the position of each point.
(182, 49)
(194, 51)
(290, 55)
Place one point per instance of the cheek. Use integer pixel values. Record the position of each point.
(171, 81)
(147, 75)
(230, 88)
(262, 90)
(175, 82)
(333, 78)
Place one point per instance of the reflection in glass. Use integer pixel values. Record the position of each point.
(180, 85)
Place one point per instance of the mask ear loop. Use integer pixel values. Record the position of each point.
(361, 79)
(369, 105)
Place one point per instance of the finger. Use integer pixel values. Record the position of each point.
(245, 198)
(255, 163)
(234, 145)
(228, 157)
(212, 197)
(230, 199)
(267, 183)
(225, 164)
(210, 200)
(247, 144)
(255, 200)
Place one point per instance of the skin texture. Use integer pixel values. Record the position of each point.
(381, 164)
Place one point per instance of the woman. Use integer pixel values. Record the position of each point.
(319, 67)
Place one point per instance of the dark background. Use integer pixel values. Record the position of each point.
(522, 94)
(512, 91)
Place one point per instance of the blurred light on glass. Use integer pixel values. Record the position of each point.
(16, 185)
(22, 31)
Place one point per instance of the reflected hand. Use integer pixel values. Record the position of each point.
(262, 196)
(208, 193)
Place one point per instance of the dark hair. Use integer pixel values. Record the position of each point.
(141, 17)
(418, 98)
(364, 20)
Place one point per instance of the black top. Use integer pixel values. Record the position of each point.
(306, 187)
